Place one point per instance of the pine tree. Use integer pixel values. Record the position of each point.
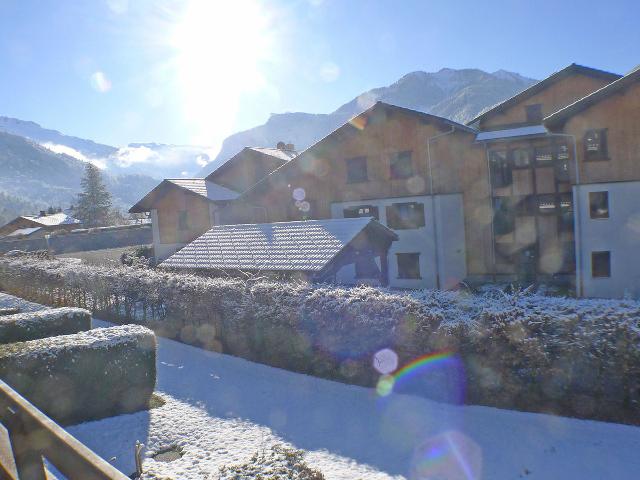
(94, 202)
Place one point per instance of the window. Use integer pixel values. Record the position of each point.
(500, 168)
(595, 145)
(405, 215)
(599, 204)
(544, 155)
(401, 165)
(600, 264)
(357, 170)
(503, 216)
(546, 204)
(361, 211)
(408, 265)
(534, 113)
(521, 157)
(183, 220)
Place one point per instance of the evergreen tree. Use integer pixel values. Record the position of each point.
(94, 202)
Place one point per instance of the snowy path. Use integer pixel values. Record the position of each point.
(222, 409)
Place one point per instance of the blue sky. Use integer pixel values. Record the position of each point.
(194, 71)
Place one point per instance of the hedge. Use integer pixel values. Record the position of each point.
(84, 376)
(21, 327)
(519, 349)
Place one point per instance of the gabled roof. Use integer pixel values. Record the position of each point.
(281, 154)
(197, 186)
(53, 219)
(572, 69)
(355, 123)
(558, 118)
(23, 232)
(286, 246)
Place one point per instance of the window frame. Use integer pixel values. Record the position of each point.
(406, 255)
(183, 220)
(600, 155)
(349, 162)
(405, 155)
(604, 254)
(593, 215)
(395, 221)
(500, 167)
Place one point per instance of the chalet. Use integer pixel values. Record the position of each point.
(182, 209)
(530, 190)
(38, 225)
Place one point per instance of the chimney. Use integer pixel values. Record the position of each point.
(42, 213)
(281, 146)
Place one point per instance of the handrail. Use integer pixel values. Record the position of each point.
(33, 436)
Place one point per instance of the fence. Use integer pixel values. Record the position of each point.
(31, 436)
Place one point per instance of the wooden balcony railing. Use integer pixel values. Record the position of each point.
(29, 436)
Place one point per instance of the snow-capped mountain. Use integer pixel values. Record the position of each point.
(153, 159)
(456, 94)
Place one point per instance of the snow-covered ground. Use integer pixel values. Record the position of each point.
(221, 409)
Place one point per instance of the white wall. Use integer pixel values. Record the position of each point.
(451, 241)
(619, 234)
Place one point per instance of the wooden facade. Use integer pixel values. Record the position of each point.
(182, 216)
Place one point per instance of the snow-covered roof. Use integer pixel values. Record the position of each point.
(23, 231)
(290, 246)
(531, 130)
(210, 190)
(53, 219)
(283, 154)
(205, 188)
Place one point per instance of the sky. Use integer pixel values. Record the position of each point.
(195, 71)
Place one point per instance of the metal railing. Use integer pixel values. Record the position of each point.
(29, 436)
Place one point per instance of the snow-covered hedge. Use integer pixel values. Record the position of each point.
(520, 350)
(25, 326)
(87, 375)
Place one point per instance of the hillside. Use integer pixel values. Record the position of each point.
(456, 94)
(33, 176)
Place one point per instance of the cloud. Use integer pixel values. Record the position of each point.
(127, 156)
(100, 82)
(202, 159)
(72, 152)
(329, 72)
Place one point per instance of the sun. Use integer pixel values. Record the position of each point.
(221, 52)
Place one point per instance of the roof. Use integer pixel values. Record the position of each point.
(529, 131)
(354, 123)
(23, 231)
(199, 186)
(287, 246)
(281, 154)
(572, 69)
(53, 219)
(562, 115)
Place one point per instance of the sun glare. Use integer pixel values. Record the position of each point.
(221, 51)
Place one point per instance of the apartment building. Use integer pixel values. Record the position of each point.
(543, 187)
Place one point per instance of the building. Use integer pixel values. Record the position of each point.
(38, 225)
(314, 250)
(543, 187)
(182, 209)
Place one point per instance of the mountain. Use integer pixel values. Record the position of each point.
(36, 176)
(456, 94)
(154, 159)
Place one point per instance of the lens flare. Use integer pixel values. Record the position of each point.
(424, 365)
(450, 455)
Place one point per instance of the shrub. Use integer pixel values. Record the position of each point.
(140, 256)
(21, 327)
(519, 349)
(84, 376)
(280, 463)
